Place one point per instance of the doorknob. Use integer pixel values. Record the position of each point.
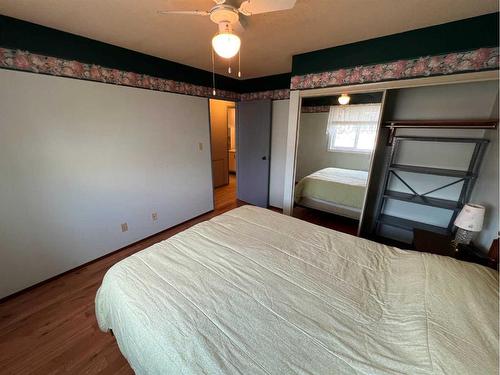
(264, 158)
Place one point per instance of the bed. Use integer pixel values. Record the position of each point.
(256, 292)
(335, 190)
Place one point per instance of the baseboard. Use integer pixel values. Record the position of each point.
(16, 294)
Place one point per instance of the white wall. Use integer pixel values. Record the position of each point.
(278, 152)
(455, 101)
(79, 158)
(312, 151)
(486, 192)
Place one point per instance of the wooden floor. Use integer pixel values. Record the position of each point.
(325, 219)
(225, 196)
(52, 329)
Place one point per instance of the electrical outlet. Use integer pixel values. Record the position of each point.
(200, 146)
(124, 227)
(154, 215)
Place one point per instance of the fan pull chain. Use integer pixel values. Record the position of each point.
(229, 68)
(239, 63)
(213, 72)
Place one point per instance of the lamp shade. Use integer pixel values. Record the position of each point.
(226, 44)
(471, 217)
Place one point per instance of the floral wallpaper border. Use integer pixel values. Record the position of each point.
(458, 62)
(270, 94)
(315, 109)
(30, 62)
(35, 63)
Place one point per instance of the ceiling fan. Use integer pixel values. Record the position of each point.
(232, 14)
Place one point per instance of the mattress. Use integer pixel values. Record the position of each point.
(333, 208)
(341, 186)
(256, 292)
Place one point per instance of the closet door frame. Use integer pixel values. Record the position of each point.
(296, 97)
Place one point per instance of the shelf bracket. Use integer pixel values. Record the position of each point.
(392, 133)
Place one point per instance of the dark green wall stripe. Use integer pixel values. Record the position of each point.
(274, 82)
(456, 36)
(463, 35)
(26, 36)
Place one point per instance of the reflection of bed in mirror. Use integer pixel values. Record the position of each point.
(335, 190)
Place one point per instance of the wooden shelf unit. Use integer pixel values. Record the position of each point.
(430, 170)
(411, 224)
(466, 177)
(423, 200)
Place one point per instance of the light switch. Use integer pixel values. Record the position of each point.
(124, 227)
(200, 146)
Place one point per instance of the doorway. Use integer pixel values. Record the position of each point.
(224, 151)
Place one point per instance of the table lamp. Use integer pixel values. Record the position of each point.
(469, 221)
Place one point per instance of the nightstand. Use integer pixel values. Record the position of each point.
(434, 243)
(470, 253)
(440, 244)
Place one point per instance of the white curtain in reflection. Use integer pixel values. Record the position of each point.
(351, 115)
(352, 127)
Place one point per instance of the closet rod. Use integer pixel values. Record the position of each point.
(443, 124)
(437, 124)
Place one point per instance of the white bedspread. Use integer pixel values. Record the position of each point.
(256, 292)
(336, 185)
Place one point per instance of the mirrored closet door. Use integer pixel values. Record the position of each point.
(336, 139)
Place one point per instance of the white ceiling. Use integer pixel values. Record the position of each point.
(269, 41)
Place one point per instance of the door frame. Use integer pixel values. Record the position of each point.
(234, 105)
(210, 154)
(235, 136)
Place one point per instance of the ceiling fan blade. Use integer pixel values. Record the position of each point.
(186, 12)
(250, 7)
(241, 25)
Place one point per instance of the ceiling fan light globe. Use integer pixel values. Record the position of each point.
(226, 45)
(344, 99)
